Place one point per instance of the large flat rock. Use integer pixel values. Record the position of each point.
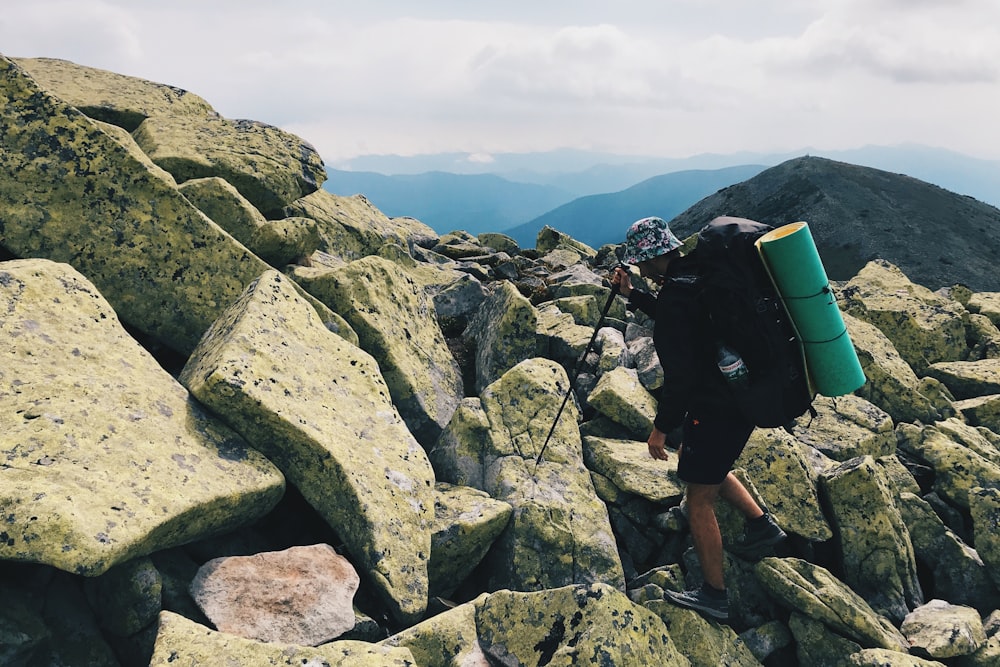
(105, 457)
(320, 409)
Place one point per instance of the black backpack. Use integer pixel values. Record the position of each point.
(746, 313)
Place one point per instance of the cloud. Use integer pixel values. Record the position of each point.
(106, 32)
(636, 76)
(595, 65)
(927, 41)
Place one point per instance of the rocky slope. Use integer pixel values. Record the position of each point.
(857, 214)
(246, 421)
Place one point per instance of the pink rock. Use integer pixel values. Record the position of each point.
(302, 595)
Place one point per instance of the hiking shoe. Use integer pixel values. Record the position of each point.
(712, 604)
(757, 538)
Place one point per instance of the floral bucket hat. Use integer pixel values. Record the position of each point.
(649, 238)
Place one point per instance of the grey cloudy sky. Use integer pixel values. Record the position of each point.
(656, 77)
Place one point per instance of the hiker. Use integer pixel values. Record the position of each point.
(695, 398)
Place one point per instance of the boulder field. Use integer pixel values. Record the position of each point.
(244, 421)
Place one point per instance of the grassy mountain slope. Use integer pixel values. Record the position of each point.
(600, 219)
(938, 238)
(473, 202)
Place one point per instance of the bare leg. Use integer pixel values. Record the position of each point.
(705, 531)
(733, 492)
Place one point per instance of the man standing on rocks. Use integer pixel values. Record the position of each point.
(695, 398)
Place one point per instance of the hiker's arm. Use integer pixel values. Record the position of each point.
(675, 346)
(637, 298)
(657, 444)
(621, 278)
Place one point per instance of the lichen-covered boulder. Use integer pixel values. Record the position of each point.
(958, 467)
(613, 351)
(180, 641)
(581, 280)
(871, 537)
(459, 245)
(457, 301)
(643, 357)
(277, 242)
(764, 640)
(574, 625)
(988, 654)
(981, 411)
(968, 379)
(499, 242)
(395, 321)
(984, 507)
(621, 397)
(126, 598)
(891, 383)
(704, 642)
(463, 446)
(584, 309)
(269, 166)
(222, 202)
(986, 303)
(628, 465)
(351, 227)
(983, 336)
(106, 457)
(954, 569)
(980, 440)
(559, 337)
(777, 466)
(449, 639)
(924, 326)
(818, 644)
(942, 630)
(559, 532)
(320, 410)
(466, 523)
(814, 592)
(549, 239)
(77, 195)
(560, 258)
(125, 139)
(124, 101)
(848, 426)
(503, 332)
(883, 657)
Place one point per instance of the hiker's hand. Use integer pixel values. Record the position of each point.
(621, 278)
(657, 444)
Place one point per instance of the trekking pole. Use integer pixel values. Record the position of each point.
(576, 370)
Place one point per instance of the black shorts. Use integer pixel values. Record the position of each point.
(711, 447)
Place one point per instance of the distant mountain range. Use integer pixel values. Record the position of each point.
(591, 196)
(600, 219)
(474, 203)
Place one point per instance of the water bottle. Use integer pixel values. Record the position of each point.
(732, 367)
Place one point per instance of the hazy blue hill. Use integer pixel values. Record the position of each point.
(472, 202)
(600, 219)
(583, 172)
(559, 161)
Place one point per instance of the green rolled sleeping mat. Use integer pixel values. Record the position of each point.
(797, 271)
